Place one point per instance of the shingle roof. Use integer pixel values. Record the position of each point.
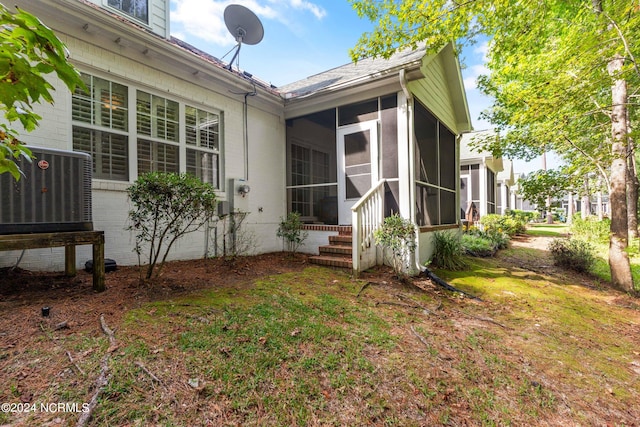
(466, 152)
(181, 44)
(351, 72)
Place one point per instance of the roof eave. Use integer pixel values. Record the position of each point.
(132, 40)
(354, 90)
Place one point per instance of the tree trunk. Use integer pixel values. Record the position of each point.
(570, 209)
(632, 188)
(618, 259)
(599, 207)
(548, 201)
(585, 204)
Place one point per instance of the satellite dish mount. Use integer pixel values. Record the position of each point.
(244, 26)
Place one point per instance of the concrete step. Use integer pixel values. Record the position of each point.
(332, 261)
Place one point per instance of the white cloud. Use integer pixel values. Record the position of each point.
(316, 10)
(471, 76)
(482, 50)
(204, 19)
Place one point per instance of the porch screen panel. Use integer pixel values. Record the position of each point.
(428, 205)
(426, 132)
(447, 145)
(389, 137)
(311, 167)
(464, 196)
(475, 183)
(435, 170)
(447, 207)
(491, 191)
(357, 162)
(358, 113)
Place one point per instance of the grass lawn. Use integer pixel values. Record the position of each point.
(316, 347)
(601, 250)
(548, 230)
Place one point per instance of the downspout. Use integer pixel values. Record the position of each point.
(410, 170)
(246, 132)
(245, 138)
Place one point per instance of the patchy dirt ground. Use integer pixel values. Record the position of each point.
(75, 309)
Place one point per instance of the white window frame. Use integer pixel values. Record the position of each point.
(213, 175)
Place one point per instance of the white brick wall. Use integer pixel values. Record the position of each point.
(266, 133)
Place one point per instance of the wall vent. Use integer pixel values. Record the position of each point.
(54, 195)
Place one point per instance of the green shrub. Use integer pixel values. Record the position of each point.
(591, 228)
(499, 239)
(573, 254)
(448, 251)
(477, 245)
(523, 217)
(502, 224)
(166, 206)
(291, 232)
(398, 235)
(484, 243)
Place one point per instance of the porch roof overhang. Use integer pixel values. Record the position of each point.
(469, 155)
(506, 175)
(112, 33)
(455, 83)
(371, 77)
(350, 90)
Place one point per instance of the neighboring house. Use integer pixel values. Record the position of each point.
(506, 181)
(517, 201)
(349, 145)
(479, 178)
(598, 205)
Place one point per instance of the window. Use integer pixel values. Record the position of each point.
(155, 156)
(202, 130)
(100, 118)
(100, 127)
(435, 170)
(158, 118)
(138, 9)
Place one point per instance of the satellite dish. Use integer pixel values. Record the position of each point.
(244, 26)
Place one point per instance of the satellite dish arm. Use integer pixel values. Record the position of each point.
(235, 55)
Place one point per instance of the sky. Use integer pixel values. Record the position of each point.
(303, 38)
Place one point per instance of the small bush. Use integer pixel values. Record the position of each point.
(166, 206)
(524, 217)
(484, 243)
(502, 224)
(477, 245)
(291, 232)
(591, 228)
(499, 239)
(448, 251)
(573, 254)
(398, 235)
